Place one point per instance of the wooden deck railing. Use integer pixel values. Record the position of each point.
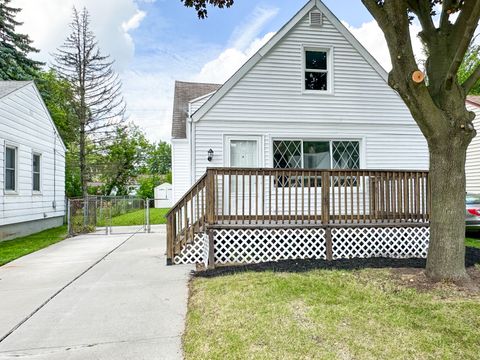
(234, 197)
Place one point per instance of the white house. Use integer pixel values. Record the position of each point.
(312, 97)
(163, 194)
(473, 154)
(32, 158)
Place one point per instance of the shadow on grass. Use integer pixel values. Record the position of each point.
(472, 257)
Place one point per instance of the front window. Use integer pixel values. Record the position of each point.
(36, 172)
(310, 154)
(10, 169)
(316, 155)
(316, 71)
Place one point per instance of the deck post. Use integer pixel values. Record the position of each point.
(329, 243)
(211, 249)
(325, 197)
(171, 235)
(210, 203)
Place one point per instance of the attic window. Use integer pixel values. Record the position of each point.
(316, 18)
(316, 70)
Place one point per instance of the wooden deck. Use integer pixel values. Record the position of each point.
(232, 198)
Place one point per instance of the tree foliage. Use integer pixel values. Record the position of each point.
(469, 64)
(14, 47)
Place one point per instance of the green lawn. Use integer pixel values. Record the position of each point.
(472, 242)
(157, 216)
(13, 249)
(328, 314)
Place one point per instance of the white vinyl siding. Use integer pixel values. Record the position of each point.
(180, 168)
(472, 165)
(24, 122)
(269, 102)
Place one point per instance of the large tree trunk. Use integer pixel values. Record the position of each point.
(446, 254)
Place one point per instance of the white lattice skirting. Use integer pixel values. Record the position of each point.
(392, 242)
(194, 253)
(234, 246)
(263, 245)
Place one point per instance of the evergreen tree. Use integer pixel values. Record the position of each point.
(14, 47)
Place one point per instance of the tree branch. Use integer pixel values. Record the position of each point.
(446, 12)
(463, 32)
(472, 80)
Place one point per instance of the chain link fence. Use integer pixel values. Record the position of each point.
(102, 213)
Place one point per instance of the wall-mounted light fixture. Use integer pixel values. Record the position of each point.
(210, 155)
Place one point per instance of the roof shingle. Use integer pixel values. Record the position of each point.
(184, 93)
(7, 87)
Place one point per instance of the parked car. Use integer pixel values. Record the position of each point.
(472, 212)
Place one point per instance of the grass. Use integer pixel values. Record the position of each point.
(329, 314)
(325, 314)
(13, 249)
(157, 216)
(473, 240)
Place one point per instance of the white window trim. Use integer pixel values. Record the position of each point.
(37, 192)
(330, 69)
(229, 138)
(361, 142)
(15, 147)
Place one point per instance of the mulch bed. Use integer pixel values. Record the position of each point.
(472, 257)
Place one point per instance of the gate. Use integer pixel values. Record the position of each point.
(106, 215)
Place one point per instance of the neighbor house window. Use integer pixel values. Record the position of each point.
(316, 70)
(36, 172)
(10, 168)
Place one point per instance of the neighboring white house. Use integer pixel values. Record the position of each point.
(312, 97)
(473, 154)
(163, 196)
(32, 158)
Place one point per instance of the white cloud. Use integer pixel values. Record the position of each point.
(47, 23)
(244, 34)
(134, 21)
(371, 37)
(229, 61)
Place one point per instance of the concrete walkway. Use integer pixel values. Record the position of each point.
(127, 306)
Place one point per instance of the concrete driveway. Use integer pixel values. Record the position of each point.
(104, 297)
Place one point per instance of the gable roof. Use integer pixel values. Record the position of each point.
(184, 93)
(474, 100)
(311, 5)
(10, 86)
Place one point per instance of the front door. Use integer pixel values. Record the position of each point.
(243, 152)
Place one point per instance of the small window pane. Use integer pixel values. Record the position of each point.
(36, 163)
(287, 154)
(36, 182)
(316, 81)
(346, 154)
(316, 60)
(10, 180)
(10, 158)
(316, 154)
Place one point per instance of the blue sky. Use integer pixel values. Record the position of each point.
(155, 42)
